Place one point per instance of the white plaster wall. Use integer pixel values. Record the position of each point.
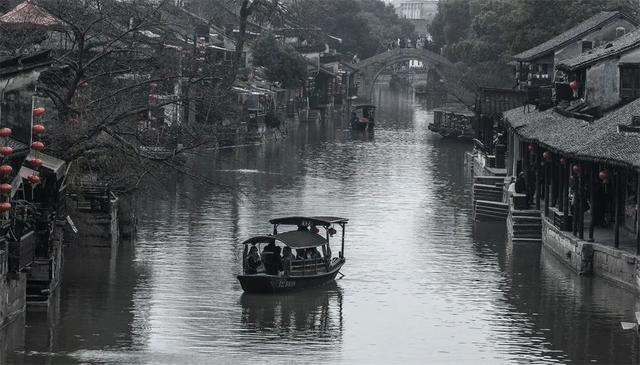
(603, 84)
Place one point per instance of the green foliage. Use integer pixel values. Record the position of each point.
(283, 63)
(366, 27)
(484, 34)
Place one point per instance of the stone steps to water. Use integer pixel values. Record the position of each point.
(525, 226)
(526, 240)
(487, 193)
(489, 180)
(490, 210)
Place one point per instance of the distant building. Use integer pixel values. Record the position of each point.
(536, 66)
(419, 12)
(418, 9)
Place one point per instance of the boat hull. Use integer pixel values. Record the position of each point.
(362, 127)
(261, 283)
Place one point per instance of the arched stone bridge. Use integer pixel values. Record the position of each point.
(370, 69)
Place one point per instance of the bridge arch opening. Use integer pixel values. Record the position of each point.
(370, 69)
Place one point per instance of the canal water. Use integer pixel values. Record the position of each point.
(420, 284)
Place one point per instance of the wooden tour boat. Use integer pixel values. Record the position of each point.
(310, 268)
(365, 117)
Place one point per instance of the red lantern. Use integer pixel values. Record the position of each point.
(547, 155)
(332, 231)
(153, 97)
(34, 179)
(532, 147)
(5, 188)
(563, 161)
(604, 175)
(84, 84)
(314, 230)
(38, 129)
(5, 207)
(6, 170)
(38, 112)
(574, 85)
(36, 163)
(5, 132)
(37, 145)
(577, 169)
(6, 151)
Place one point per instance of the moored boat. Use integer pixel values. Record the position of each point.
(270, 273)
(454, 121)
(363, 117)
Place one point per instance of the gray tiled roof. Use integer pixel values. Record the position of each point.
(568, 36)
(628, 41)
(599, 140)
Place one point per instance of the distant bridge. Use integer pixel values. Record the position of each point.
(368, 70)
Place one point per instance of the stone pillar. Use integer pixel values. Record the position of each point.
(580, 201)
(560, 201)
(575, 201)
(546, 187)
(566, 171)
(592, 198)
(553, 171)
(638, 215)
(500, 156)
(616, 213)
(537, 170)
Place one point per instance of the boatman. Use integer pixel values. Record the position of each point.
(354, 119)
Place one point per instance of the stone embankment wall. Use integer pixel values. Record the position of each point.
(587, 258)
(13, 299)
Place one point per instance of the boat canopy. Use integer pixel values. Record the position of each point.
(364, 106)
(309, 221)
(293, 239)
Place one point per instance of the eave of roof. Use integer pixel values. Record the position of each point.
(625, 43)
(599, 140)
(28, 13)
(570, 35)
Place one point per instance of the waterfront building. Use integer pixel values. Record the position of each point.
(581, 162)
(536, 66)
(417, 9)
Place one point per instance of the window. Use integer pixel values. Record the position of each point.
(630, 82)
(587, 46)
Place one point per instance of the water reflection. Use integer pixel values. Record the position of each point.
(12, 338)
(313, 320)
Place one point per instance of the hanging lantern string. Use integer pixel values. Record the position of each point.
(37, 145)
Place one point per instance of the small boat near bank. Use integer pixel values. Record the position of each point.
(454, 121)
(309, 268)
(363, 117)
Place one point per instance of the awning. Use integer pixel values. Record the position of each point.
(293, 239)
(220, 48)
(308, 221)
(301, 239)
(49, 162)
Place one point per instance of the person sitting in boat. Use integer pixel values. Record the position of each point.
(287, 257)
(301, 254)
(272, 260)
(253, 260)
(313, 253)
(268, 257)
(354, 119)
